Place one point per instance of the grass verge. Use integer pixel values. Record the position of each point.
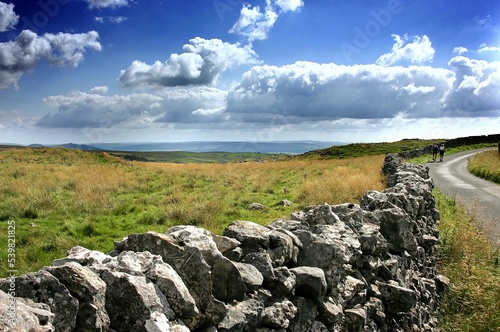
(486, 165)
(472, 265)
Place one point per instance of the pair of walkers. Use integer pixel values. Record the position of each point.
(438, 148)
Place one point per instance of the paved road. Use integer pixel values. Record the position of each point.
(479, 197)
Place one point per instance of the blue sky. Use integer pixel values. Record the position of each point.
(94, 71)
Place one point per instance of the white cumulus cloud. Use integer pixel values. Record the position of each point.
(475, 88)
(485, 48)
(21, 55)
(460, 50)
(255, 24)
(308, 92)
(79, 109)
(8, 18)
(106, 3)
(200, 64)
(418, 51)
(169, 106)
(99, 89)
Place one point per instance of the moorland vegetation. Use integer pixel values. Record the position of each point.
(61, 198)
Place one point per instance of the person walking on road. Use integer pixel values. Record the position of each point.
(441, 152)
(435, 149)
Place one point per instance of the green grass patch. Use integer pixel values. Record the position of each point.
(472, 265)
(486, 165)
(61, 198)
(186, 157)
(365, 149)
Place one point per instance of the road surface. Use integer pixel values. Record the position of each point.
(479, 197)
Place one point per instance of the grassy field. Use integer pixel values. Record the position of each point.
(60, 198)
(186, 157)
(366, 149)
(486, 165)
(472, 265)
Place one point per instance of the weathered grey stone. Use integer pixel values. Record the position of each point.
(244, 316)
(317, 215)
(252, 236)
(82, 256)
(351, 288)
(90, 290)
(228, 284)
(225, 244)
(310, 282)
(199, 238)
(252, 278)
(285, 202)
(331, 313)
(281, 247)
(256, 206)
(174, 289)
(284, 282)
(17, 316)
(262, 263)
(40, 310)
(158, 322)
(396, 298)
(142, 299)
(355, 319)
(186, 261)
(306, 315)
(278, 314)
(43, 287)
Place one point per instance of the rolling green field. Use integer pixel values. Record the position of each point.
(366, 149)
(186, 157)
(60, 198)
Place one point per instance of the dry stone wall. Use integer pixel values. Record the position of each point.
(348, 267)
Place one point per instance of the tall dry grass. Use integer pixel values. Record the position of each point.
(91, 199)
(472, 265)
(486, 165)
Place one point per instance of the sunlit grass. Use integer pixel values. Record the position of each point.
(61, 198)
(486, 165)
(472, 265)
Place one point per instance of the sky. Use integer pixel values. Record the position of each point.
(105, 71)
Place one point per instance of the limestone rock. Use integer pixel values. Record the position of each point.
(310, 282)
(17, 316)
(142, 299)
(90, 290)
(43, 287)
(244, 316)
(229, 285)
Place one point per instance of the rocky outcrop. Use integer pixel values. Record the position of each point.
(350, 267)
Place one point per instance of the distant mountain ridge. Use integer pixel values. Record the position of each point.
(287, 147)
(292, 147)
(67, 146)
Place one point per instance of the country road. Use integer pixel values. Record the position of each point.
(478, 197)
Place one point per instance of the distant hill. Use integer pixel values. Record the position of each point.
(288, 147)
(364, 149)
(78, 146)
(67, 146)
